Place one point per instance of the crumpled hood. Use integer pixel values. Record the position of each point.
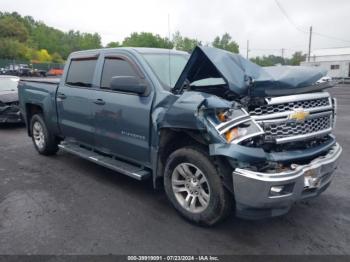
(8, 96)
(245, 78)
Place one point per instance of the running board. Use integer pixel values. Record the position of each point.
(133, 171)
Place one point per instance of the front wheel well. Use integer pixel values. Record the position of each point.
(171, 140)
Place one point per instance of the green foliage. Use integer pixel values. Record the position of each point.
(272, 60)
(184, 43)
(297, 58)
(225, 42)
(37, 36)
(57, 58)
(39, 56)
(12, 49)
(145, 39)
(113, 44)
(269, 60)
(11, 28)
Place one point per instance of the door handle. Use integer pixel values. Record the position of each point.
(99, 102)
(61, 95)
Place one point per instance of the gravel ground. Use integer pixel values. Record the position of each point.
(66, 205)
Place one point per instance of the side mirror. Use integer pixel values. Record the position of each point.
(129, 84)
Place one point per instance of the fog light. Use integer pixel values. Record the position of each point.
(281, 190)
(276, 189)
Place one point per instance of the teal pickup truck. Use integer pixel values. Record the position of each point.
(218, 132)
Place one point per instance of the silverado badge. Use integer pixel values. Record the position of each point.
(299, 115)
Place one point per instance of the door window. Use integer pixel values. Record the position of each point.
(81, 72)
(115, 67)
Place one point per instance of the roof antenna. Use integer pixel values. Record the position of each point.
(169, 50)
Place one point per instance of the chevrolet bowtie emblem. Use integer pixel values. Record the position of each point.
(299, 115)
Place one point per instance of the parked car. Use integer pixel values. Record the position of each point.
(38, 73)
(217, 131)
(55, 72)
(9, 109)
(325, 79)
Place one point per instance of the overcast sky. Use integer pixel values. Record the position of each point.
(261, 21)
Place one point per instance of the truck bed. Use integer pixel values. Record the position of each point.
(46, 80)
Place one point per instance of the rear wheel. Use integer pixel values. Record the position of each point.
(44, 142)
(195, 188)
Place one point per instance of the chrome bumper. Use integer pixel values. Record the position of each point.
(260, 195)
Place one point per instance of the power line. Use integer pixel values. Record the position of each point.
(288, 17)
(331, 37)
(305, 31)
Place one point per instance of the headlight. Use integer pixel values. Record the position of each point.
(235, 125)
(235, 133)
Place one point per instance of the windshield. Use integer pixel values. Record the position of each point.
(8, 84)
(167, 67)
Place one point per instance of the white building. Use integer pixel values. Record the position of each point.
(335, 60)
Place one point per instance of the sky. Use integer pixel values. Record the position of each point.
(269, 25)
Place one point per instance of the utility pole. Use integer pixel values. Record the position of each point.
(309, 52)
(247, 49)
(282, 54)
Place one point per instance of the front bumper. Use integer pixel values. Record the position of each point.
(255, 199)
(10, 114)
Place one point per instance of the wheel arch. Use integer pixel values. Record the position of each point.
(172, 139)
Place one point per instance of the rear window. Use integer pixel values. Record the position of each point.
(81, 72)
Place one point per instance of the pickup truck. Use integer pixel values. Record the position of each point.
(217, 131)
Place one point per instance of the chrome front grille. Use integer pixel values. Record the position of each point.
(289, 106)
(295, 118)
(288, 129)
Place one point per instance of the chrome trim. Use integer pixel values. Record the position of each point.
(294, 98)
(287, 113)
(233, 125)
(311, 116)
(335, 108)
(298, 170)
(240, 139)
(219, 126)
(303, 137)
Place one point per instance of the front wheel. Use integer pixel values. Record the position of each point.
(194, 187)
(44, 142)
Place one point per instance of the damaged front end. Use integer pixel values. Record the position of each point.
(10, 113)
(278, 153)
(273, 125)
(9, 105)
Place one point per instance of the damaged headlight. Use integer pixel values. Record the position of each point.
(234, 125)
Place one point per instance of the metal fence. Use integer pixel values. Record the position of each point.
(40, 66)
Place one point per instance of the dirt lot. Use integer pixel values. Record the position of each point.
(66, 205)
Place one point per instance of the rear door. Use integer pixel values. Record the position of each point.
(122, 120)
(75, 101)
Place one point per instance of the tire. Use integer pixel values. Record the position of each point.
(183, 182)
(44, 142)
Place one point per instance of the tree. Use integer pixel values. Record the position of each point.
(113, 44)
(269, 60)
(11, 28)
(272, 60)
(184, 43)
(12, 49)
(297, 57)
(39, 56)
(145, 39)
(226, 43)
(56, 58)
